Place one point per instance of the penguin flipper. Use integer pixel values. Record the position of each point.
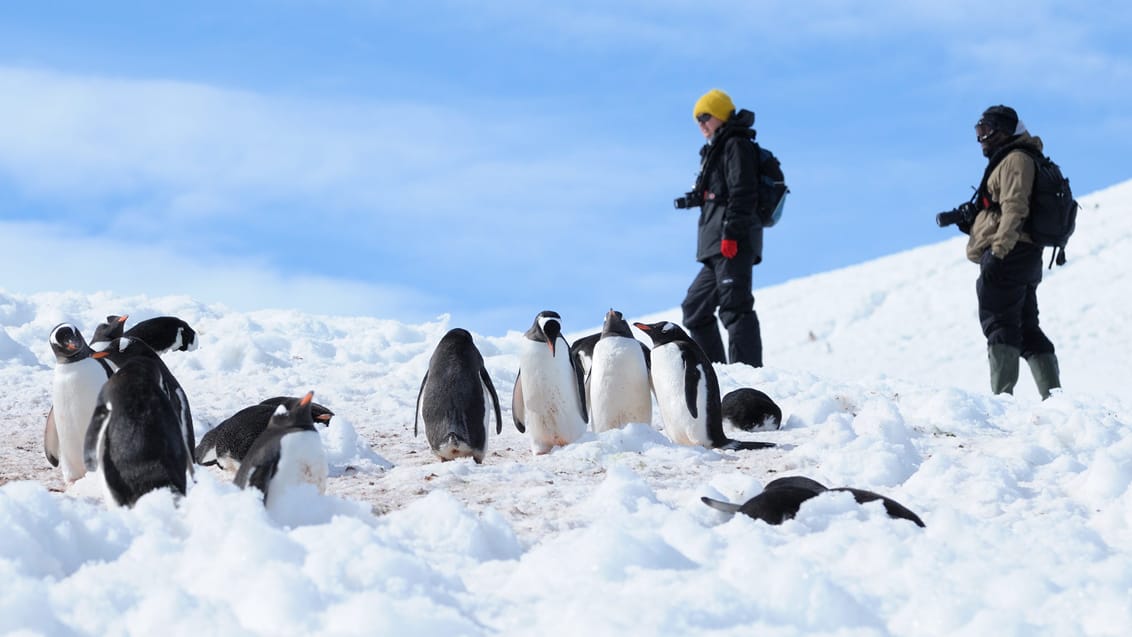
(486, 378)
(720, 505)
(51, 439)
(417, 415)
(98, 421)
(580, 383)
(731, 444)
(518, 410)
(893, 508)
(691, 381)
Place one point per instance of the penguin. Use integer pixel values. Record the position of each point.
(228, 443)
(134, 439)
(781, 499)
(548, 398)
(124, 348)
(107, 331)
(78, 377)
(287, 454)
(618, 380)
(162, 333)
(687, 390)
(750, 410)
(582, 356)
(453, 397)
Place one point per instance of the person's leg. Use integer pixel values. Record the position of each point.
(737, 310)
(1001, 288)
(699, 314)
(1037, 349)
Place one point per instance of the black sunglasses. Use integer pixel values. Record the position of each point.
(703, 117)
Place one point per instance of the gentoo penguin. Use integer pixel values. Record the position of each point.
(453, 398)
(618, 382)
(582, 357)
(134, 439)
(107, 331)
(162, 333)
(226, 444)
(687, 390)
(122, 349)
(548, 399)
(287, 454)
(750, 410)
(77, 379)
(781, 498)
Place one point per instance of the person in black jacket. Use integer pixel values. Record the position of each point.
(730, 238)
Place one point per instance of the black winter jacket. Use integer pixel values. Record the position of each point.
(727, 182)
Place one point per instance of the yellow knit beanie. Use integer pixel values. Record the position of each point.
(715, 102)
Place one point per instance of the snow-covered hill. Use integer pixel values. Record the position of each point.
(881, 373)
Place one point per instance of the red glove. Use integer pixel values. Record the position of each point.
(729, 248)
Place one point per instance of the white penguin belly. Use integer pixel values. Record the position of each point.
(619, 384)
(74, 395)
(668, 383)
(302, 460)
(550, 397)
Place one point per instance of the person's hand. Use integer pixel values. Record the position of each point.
(729, 248)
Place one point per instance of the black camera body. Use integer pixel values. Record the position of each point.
(691, 199)
(963, 215)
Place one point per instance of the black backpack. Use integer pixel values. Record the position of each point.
(1053, 211)
(771, 188)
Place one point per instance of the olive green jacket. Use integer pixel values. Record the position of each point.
(998, 225)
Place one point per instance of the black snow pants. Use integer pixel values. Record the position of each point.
(726, 284)
(1008, 300)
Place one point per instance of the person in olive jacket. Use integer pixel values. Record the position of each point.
(1010, 265)
(730, 236)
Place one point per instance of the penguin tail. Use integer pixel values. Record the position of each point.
(720, 505)
(744, 445)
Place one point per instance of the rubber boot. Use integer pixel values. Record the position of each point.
(1047, 376)
(1003, 367)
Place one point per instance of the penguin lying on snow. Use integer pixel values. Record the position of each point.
(781, 499)
(77, 379)
(228, 443)
(687, 390)
(162, 333)
(750, 410)
(549, 398)
(287, 454)
(453, 399)
(134, 439)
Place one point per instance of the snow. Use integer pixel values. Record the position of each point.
(881, 373)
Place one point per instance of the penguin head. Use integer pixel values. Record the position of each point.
(547, 328)
(294, 414)
(663, 332)
(615, 325)
(68, 344)
(110, 330)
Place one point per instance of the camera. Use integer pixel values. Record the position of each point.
(963, 215)
(691, 199)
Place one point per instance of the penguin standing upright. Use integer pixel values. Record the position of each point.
(548, 398)
(287, 454)
(687, 390)
(77, 380)
(134, 439)
(453, 398)
(226, 444)
(618, 381)
(121, 350)
(582, 356)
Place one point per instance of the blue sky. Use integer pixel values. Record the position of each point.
(493, 159)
